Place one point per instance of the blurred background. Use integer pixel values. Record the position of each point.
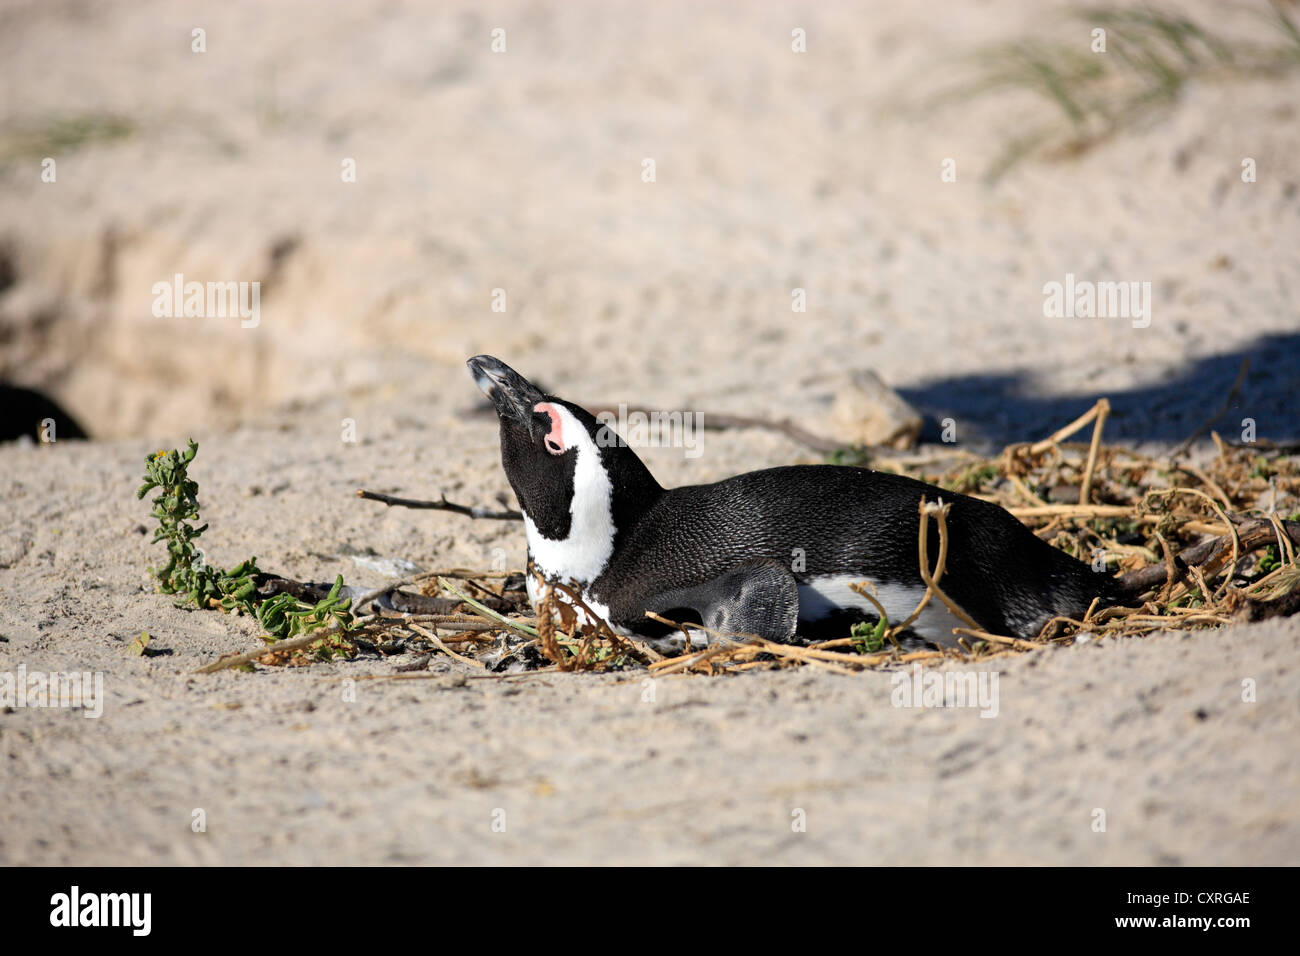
(390, 172)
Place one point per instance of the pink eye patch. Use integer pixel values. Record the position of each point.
(554, 438)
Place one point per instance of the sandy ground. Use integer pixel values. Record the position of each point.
(1154, 732)
(522, 171)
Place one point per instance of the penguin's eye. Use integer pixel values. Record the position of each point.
(554, 440)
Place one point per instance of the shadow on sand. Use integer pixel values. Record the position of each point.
(1003, 408)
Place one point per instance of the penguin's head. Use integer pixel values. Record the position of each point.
(540, 459)
(573, 477)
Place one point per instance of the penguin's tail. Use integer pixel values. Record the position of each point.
(1078, 589)
(1113, 592)
(1128, 588)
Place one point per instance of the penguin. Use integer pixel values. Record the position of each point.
(770, 553)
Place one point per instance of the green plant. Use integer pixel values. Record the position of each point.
(176, 505)
(1149, 58)
(63, 134)
(856, 456)
(285, 616)
(1263, 468)
(974, 479)
(234, 591)
(868, 636)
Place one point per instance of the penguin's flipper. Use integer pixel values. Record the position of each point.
(759, 597)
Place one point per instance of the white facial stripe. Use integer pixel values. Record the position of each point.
(818, 597)
(572, 432)
(582, 556)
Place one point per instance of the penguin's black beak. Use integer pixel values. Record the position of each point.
(512, 394)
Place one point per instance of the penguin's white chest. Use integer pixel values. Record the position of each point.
(581, 557)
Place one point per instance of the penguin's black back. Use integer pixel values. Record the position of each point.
(846, 521)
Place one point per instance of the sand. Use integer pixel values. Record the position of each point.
(522, 171)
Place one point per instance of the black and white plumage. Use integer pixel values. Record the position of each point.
(769, 552)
